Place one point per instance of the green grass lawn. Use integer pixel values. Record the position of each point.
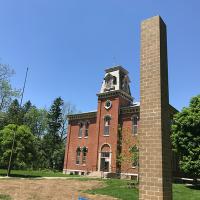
(4, 197)
(34, 174)
(116, 188)
(119, 189)
(183, 192)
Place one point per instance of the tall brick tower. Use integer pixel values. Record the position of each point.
(155, 149)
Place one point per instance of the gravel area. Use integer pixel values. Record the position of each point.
(30, 189)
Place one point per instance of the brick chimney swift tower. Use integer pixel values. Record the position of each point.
(155, 147)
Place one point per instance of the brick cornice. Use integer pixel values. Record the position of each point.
(136, 109)
(80, 116)
(130, 110)
(115, 68)
(115, 93)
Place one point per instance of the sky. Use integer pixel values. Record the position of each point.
(67, 45)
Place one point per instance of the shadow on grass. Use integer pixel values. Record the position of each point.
(194, 187)
(20, 175)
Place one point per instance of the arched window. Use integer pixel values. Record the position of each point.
(134, 125)
(84, 157)
(78, 155)
(114, 80)
(80, 132)
(105, 151)
(110, 81)
(107, 120)
(86, 129)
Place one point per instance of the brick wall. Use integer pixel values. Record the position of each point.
(128, 140)
(96, 138)
(73, 141)
(154, 140)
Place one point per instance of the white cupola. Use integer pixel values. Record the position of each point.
(116, 79)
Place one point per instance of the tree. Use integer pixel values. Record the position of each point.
(24, 147)
(14, 115)
(5, 72)
(20, 115)
(36, 120)
(26, 107)
(2, 120)
(52, 141)
(186, 137)
(6, 91)
(55, 117)
(128, 154)
(67, 109)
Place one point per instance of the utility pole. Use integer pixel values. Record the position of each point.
(24, 87)
(13, 143)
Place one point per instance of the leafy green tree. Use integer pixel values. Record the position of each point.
(130, 153)
(7, 93)
(40, 160)
(2, 120)
(48, 128)
(36, 120)
(186, 137)
(26, 107)
(24, 146)
(14, 115)
(55, 116)
(52, 141)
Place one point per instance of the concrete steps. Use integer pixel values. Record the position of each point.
(96, 174)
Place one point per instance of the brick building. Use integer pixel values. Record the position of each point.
(102, 140)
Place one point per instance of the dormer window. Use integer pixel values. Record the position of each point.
(107, 120)
(134, 125)
(80, 130)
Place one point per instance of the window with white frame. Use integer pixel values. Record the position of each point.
(86, 129)
(134, 124)
(78, 155)
(84, 156)
(80, 132)
(107, 120)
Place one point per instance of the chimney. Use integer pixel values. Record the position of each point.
(155, 171)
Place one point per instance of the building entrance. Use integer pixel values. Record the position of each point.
(105, 158)
(105, 161)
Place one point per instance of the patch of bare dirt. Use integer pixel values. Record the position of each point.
(30, 189)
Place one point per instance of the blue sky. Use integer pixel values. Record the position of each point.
(68, 43)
